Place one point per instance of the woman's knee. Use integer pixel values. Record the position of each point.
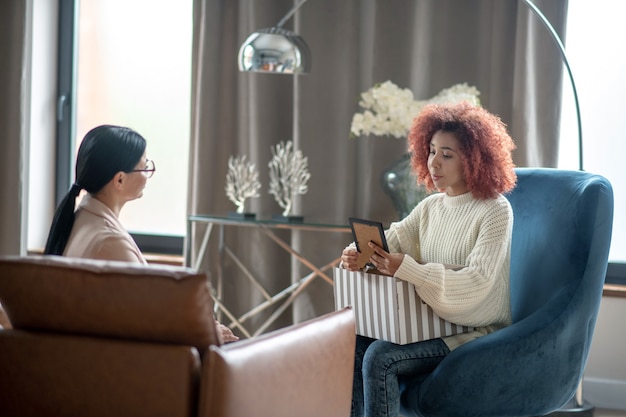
(379, 348)
(379, 356)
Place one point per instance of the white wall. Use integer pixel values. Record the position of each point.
(604, 384)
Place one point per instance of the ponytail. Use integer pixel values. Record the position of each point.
(62, 222)
(104, 151)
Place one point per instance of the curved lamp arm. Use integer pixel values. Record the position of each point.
(557, 39)
(289, 14)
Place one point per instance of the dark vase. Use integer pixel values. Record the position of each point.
(400, 184)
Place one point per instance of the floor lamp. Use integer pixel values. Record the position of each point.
(577, 406)
(557, 40)
(276, 50)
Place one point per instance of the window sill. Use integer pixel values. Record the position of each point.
(152, 258)
(614, 290)
(164, 259)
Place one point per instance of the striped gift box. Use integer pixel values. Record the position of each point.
(388, 308)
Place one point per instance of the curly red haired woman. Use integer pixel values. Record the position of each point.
(484, 143)
(454, 247)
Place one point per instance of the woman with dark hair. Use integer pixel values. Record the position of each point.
(454, 247)
(112, 167)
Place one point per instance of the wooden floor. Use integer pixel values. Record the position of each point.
(609, 413)
(596, 412)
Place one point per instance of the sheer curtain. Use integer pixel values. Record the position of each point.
(425, 45)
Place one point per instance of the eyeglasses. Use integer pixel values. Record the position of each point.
(148, 171)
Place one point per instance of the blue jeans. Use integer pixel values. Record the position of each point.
(377, 366)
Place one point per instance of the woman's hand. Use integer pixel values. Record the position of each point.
(349, 257)
(224, 334)
(385, 262)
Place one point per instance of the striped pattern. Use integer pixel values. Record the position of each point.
(388, 308)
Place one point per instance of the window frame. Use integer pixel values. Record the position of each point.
(66, 97)
(66, 125)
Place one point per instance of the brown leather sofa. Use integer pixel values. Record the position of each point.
(93, 338)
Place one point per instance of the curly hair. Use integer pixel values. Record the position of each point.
(485, 147)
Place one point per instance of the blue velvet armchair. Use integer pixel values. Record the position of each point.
(561, 238)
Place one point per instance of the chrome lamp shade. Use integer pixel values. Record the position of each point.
(274, 50)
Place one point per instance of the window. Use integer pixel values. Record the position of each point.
(591, 42)
(133, 68)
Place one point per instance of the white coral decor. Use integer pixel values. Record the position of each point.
(242, 181)
(390, 110)
(288, 175)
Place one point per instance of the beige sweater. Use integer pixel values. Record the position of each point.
(460, 230)
(98, 234)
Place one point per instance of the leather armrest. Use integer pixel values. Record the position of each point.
(304, 370)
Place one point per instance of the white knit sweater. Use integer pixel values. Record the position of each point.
(476, 236)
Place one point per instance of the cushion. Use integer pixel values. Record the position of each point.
(105, 298)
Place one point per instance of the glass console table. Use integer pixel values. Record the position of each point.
(283, 298)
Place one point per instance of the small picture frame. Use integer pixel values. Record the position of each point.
(363, 232)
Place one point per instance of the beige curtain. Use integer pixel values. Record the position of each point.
(425, 45)
(13, 93)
